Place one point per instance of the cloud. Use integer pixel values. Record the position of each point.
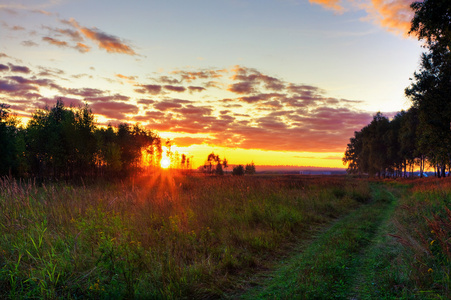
(266, 113)
(330, 4)
(252, 111)
(189, 76)
(55, 42)
(109, 98)
(173, 88)
(196, 88)
(82, 48)
(242, 88)
(85, 92)
(114, 110)
(146, 101)
(131, 78)
(74, 35)
(19, 69)
(393, 15)
(169, 104)
(29, 44)
(110, 43)
(153, 89)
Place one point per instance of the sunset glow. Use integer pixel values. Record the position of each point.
(165, 163)
(284, 83)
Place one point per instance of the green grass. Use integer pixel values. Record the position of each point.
(169, 236)
(396, 246)
(157, 237)
(330, 266)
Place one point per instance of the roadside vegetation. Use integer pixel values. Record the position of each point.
(396, 246)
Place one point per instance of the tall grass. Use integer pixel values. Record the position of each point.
(423, 227)
(164, 236)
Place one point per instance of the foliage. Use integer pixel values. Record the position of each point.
(155, 237)
(383, 147)
(238, 170)
(62, 142)
(423, 132)
(250, 169)
(11, 142)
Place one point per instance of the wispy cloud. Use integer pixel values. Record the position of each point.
(393, 15)
(105, 41)
(330, 4)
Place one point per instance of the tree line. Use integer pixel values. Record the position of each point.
(421, 136)
(215, 165)
(64, 142)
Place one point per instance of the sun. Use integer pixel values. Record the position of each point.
(165, 163)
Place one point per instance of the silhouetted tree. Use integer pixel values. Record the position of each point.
(430, 90)
(10, 142)
(250, 169)
(238, 170)
(225, 164)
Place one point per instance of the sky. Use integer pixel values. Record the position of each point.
(277, 82)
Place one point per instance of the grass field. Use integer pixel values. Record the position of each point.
(169, 236)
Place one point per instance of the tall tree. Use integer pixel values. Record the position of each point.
(430, 90)
(9, 133)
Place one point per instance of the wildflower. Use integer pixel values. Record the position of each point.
(430, 270)
(432, 231)
(432, 242)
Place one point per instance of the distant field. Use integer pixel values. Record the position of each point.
(171, 236)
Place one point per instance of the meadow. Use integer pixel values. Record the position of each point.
(173, 236)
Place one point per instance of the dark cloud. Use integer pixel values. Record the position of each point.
(196, 88)
(242, 88)
(167, 105)
(85, 92)
(254, 77)
(173, 88)
(19, 69)
(3, 68)
(146, 101)
(153, 89)
(194, 110)
(74, 35)
(114, 110)
(15, 87)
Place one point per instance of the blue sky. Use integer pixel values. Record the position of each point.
(216, 75)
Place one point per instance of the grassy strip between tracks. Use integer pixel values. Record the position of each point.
(346, 261)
